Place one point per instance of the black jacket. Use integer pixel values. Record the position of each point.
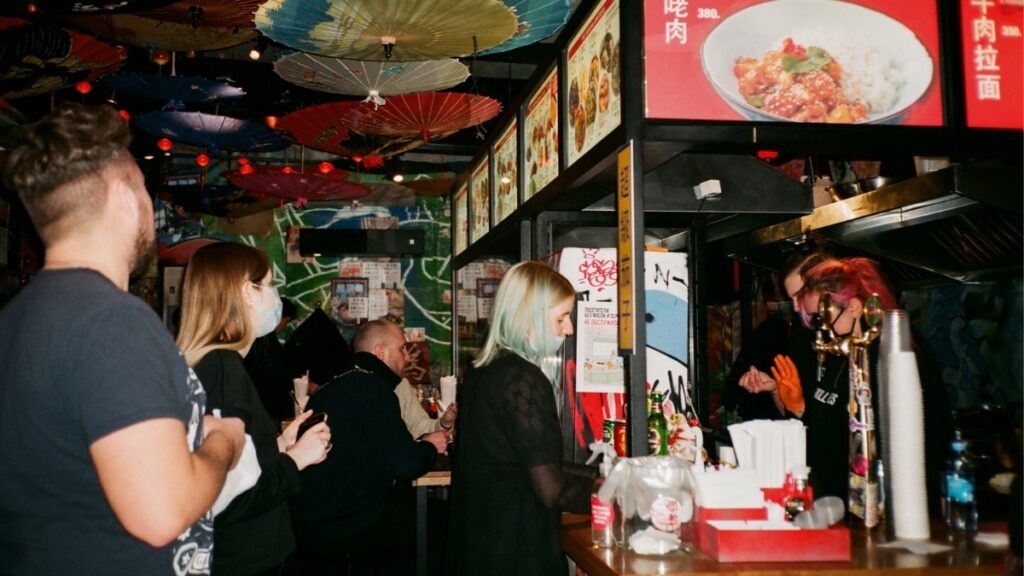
(372, 450)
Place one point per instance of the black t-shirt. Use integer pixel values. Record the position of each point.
(82, 359)
(508, 482)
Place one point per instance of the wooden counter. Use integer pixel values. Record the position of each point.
(967, 557)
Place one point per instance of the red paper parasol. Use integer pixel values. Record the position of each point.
(36, 59)
(159, 35)
(215, 13)
(425, 115)
(296, 185)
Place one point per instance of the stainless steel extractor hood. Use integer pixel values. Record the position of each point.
(962, 223)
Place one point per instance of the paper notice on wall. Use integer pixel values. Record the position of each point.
(392, 273)
(378, 304)
(350, 269)
(359, 307)
(375, 272)
(467, 308)
(483, 308)
(598, 365)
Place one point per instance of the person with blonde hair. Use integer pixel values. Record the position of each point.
(228, 301)
(108, 464)
(509, 484)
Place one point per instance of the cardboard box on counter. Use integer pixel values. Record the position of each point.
(796, 545)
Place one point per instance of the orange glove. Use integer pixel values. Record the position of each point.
(788, 379)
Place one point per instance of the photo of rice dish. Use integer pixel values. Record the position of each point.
(816, 76)
(817, 61)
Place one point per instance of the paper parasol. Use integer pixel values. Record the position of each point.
(397, 30)
(370, 79)
(173, 88)
(97, 6)
(296, 185)
(159, 35)
(538, 19)
(426, 115)
(209, 13)
(211, 131)
(36, 59)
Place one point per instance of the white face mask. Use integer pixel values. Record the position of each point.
(270, 317)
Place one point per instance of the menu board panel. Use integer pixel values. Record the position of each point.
(480, 189)
(993, 52)
(594, 108)
(506, 162)
(461, 219)
(540, 129)
(821, 61)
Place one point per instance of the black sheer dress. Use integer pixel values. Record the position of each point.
(509, 485)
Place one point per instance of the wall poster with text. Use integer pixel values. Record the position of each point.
(540, 130)
(480, 196)
(594, 103)
(461, 220)
(506, 160)
(993, 53)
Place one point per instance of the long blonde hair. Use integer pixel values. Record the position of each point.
(520, 319)
(214, 313)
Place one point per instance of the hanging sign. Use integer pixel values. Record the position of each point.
(812, 61)
(993, 52)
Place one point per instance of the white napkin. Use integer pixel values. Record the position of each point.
(770, 447)
(448, 384)
(730, 488)
(240, 478)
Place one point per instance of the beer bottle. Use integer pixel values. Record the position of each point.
(657, 429)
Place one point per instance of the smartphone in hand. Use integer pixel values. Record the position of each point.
(310, 422)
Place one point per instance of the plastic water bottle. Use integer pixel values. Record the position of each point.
(960, 507)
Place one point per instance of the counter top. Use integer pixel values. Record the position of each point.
(967, 557)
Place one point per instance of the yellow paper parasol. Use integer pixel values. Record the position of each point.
(370, 79)
(397, 30)
(159, 35)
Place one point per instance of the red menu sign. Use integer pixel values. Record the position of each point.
(993, 51)
(820, 61)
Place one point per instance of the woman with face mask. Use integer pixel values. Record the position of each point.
(820, 398)
(509, 484)
(228, 302)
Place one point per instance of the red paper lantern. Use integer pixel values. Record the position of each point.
(246, 169)
(357, 158)
(767, 154)
(164, 144)
(202, 160)
(124, 115)
(287, 170)
(325, 167)
(83, 87)
(161, 57)
(243, 161)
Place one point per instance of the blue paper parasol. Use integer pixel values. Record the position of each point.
(173, 88)
(538, 19)
(212, 131)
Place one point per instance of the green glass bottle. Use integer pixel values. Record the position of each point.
(657, 429)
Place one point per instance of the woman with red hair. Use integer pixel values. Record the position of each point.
(820, 398)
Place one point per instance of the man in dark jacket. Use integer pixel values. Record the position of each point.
(351, 502)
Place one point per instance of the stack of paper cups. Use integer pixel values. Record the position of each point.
(903, 417)
(448, 384)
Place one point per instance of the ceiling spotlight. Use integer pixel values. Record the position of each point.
(148, 157)
(506, 180)
(259, 48)
(397, 178)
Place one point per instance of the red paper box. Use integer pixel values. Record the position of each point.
(705, 514)
(827, 545)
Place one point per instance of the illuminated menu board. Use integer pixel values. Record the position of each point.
(593, 74)
(817, 61)
(480, 192)
(506, 160)
(993, 53)
(460, 221)
(540, 129)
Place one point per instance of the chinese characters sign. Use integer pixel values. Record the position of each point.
(817, 61)
(993, 53)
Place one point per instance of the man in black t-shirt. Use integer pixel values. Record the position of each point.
(109, 466)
